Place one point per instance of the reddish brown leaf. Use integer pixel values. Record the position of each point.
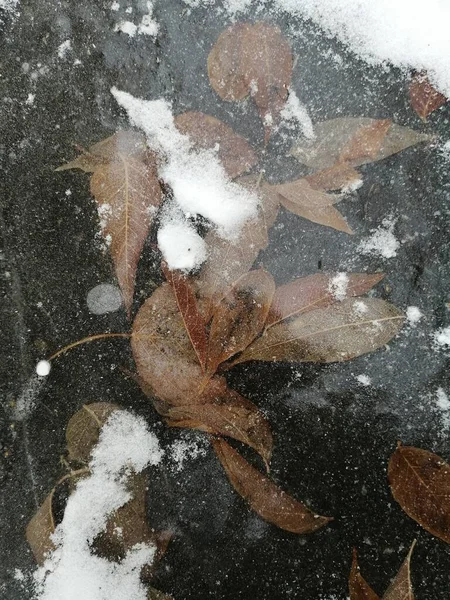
(423, 96)
(315, 205)
(187, 305)
(420, 482)
(401, 588)
(165, 359)
(333, 136)
(239, 316)
(366, 143)
(339, 176)
(253, 59)
(358, 587)
(316, 291)
(265, 498)
(204, 131)
(227, 260)
(127, 192)
(231, 415)
(339, 332)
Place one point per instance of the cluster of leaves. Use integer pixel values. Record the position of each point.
(125, 528)
(194, 328)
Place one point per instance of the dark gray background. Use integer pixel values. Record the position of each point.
(333, 437)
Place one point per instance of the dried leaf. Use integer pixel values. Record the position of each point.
(337, 177)
(366, 143)
(231, 415)
(339, 332)
(315, 291)
(84, 427)
(265, 498)
(127, 192)
(315, 205)
(204, 131)
(420, 482)
(239, 316)
(227, 260)
(164, 355)
(123, 143)
(423, 96)
(335, 135)
(253, 59)
(358, 587)
(187, 305)
(401, 588)
(154, 594)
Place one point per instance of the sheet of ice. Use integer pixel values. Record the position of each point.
(199, 183)
(71, 571)
(405, 33)
(382, 242)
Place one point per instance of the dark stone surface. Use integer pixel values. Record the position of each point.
(333, 437)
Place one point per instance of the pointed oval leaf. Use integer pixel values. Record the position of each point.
(316, 291)
(231, 415)
(264, 497)
(334, 135)
(339, 332)
(401, 588)
(124, 142)
(84, 427)
(127, 192)
(187, 305)
(420, 482)
(337, 177)
(239, 316)
(423, 96)
(253, 59)
(206, 132)
(358, 587)
(366, 143)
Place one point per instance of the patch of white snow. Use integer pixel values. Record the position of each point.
(382, 242)
(294, 112)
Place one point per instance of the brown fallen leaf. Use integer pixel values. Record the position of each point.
(316, 291)
(123, 142)
(401, 588)
(231, 415)
(359, 589)
(84, 427)
(333, 136)
(165, 358)
(315, 205)
(420, 483)
(154, 594)
(264, 497)
(187, 305)
(229, 260)
(204, 131)
(239, 316)
(366, 143)
(423, 96)
(337, 177)
(336, 333)
(253, 59)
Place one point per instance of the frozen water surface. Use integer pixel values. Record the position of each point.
(335, 426)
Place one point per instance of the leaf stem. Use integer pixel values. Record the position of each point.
(91, 338)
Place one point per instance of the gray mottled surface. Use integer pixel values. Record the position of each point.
(333, 436)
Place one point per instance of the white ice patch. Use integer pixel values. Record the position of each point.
(413, 314)
(295, 112)
(442, 338)
(104, 298)
(382, 242)
(71, 571)
(338, 286)
(185, 450)
(197, 178)
(64, 48)
(363, 380)
(26, 401)
(147, 26)
(443, 404)
(9, 6)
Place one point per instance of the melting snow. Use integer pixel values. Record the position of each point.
(413, 314)
(363, 380)
(382, 242)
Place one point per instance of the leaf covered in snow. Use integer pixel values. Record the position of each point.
(423, 96)
(206, 132)
(333, 334)
(264, 497)
(253, 59)
(420, 482)
(360, 139)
